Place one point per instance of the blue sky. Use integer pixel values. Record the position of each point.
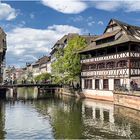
(33, 27)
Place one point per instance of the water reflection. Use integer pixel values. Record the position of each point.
(87, 119)
(67, 118)
(129, 120)
(2, 120)
(104, 120)
(23, 93)
(23, 122)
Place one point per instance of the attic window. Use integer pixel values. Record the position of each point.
(4, 42)
(105, 40)
(125, 27)
(65, 41)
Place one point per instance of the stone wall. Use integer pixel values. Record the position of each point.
(131, 100)
(98, 94)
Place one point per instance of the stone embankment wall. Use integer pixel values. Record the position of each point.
(68, 92)
(126, 99)
(129, 114)
(131, 100)
(98, 94)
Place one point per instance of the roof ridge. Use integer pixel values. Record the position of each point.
(124, 23)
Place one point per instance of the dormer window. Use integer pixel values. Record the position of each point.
(125, 27)
(4, 43)
(105, 40)
(65, 41)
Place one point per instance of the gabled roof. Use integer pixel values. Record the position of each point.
(125, 26)
(106, 35)
(64, 40)
(2, 31)
(65, 37)
(127, 33)
(43, 60)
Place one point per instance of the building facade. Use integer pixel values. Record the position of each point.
(43, 64)
(111, 61)
(63, 42)
(3, 47)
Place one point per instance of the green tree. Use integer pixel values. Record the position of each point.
(57, 67)
(37, 78)
(45, 76)
(42, 77)
(72, 64)
(67, 66)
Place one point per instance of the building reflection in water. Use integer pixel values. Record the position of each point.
(65, 116)
(23, 93)
(2, 120)
(89, 119)
(84, 119)
(99, 117)
(129, 120)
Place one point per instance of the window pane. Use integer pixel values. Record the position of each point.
(96, 83)
(88, 83)
(116, 83)
(105, 83)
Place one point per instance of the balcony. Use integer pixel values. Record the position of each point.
(112, 57)
(107, 73)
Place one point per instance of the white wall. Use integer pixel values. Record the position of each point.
(101, 84)
(49, 68)
(98, 94)
(111, 84)
(82, 80)
(93, 83)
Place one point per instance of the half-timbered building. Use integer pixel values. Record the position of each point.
(112, 60)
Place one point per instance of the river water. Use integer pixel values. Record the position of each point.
(67, 118)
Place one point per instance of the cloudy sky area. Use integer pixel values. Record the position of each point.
(32, 27)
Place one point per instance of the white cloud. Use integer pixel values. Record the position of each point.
(90, 18)
(27, 44)
(66, 6)
(107, 5)
(91, 23)
(100, 22)
(32, 16)
(7, 12)
(77, 6)
(132, 6)
(126, 5)
(77, 18)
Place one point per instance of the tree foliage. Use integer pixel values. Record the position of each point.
(42, 77)
(67, 67)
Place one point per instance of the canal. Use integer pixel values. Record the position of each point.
(66, 118)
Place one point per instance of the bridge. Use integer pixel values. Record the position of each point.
(30, 85)
(42, 88)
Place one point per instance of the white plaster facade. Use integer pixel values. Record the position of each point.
(101, 93)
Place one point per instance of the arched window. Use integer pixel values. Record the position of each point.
(101, 65)
(110, 65)
(93, 66)
(122, 64)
